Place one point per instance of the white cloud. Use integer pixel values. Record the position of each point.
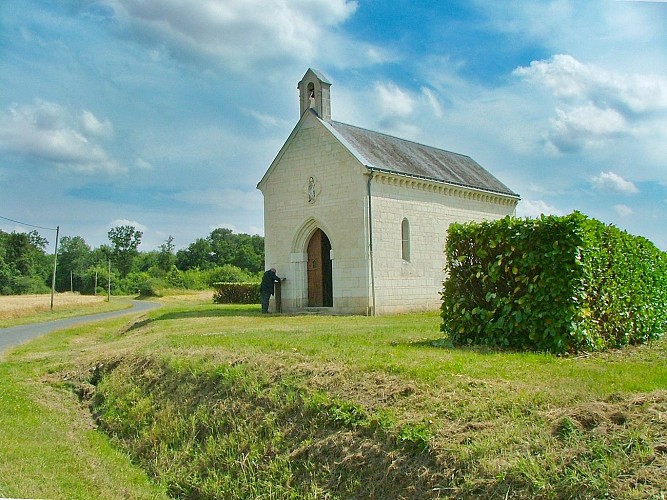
(594, 105)
(94, 126)
(610, 181)
(624, 210)
(142, 164)
(584, 127)
(432, 102)
(49, 132)
(124, 222)
(236, 229)
(241, 34)
(535, 208)
(393, 101)
(266, 120)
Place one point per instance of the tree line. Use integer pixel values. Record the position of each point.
(223, 255)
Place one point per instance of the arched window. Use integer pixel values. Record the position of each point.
(311, 95)
(405, 240)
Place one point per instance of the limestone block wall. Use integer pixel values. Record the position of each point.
(338, 208)
(430, 208)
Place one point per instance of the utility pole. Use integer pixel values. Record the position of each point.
(55, 264)
(109, 285)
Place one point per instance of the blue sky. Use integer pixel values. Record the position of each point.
(165, 114)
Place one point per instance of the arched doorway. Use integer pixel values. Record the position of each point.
(320, 281)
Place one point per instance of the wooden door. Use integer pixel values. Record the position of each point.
(315, 290)
(320, 280)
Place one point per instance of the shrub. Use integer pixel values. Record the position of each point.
(227, 273)
(193, 279)
(236, 293)
(152, 287)
(555, 284)
(175, 278)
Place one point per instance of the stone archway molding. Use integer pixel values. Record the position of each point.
(298, 261)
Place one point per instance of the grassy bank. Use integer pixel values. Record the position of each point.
(214, 400)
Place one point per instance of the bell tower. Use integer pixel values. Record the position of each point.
(315, 94)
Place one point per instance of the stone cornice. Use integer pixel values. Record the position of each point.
(443, 188)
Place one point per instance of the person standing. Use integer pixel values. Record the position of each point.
(267, 288)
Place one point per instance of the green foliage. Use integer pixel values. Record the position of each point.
(558, 284)
(24, 266)
(222, 247)
(74, 258)
(194, 279)
(229, 273)
(152, 287)
(222, 257)
(236, 293)
(175, 278)
(167, 257)
(125, 241)
(415, 434)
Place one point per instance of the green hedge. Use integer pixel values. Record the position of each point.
(558, 284)
(236, 293)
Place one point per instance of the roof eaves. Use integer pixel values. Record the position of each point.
(441, 181)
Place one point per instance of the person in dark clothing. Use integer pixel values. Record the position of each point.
(267, 287)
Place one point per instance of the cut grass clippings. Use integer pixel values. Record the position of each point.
(220, 401)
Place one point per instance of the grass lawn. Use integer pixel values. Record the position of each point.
(220, 401)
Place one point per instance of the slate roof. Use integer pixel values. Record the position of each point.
(391, 154)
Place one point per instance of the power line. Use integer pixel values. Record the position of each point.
(29, 225)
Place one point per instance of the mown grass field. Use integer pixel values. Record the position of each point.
(25, 309)
(197, 400)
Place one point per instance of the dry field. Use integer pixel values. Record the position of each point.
(19, 306)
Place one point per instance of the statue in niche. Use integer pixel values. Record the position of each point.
(312, 189)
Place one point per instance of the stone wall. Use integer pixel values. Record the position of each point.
(430, 208)
(336, 201)
(339, 210)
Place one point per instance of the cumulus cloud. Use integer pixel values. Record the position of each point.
(239, 34)
(535, 208)
(610, 181)
(48, 132)
(594, 105)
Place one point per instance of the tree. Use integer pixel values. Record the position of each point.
(74, 259)
(166, 257)
(197, 255)
(125, 241)
(24, 266)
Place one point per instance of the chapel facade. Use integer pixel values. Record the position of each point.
(357, 220)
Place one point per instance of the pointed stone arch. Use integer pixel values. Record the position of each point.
(312, 265)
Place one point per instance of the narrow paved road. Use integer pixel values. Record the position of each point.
(15, 335)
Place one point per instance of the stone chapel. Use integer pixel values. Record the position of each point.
(356, 220)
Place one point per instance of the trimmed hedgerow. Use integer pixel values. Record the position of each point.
(558, 284)
(236, 293)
